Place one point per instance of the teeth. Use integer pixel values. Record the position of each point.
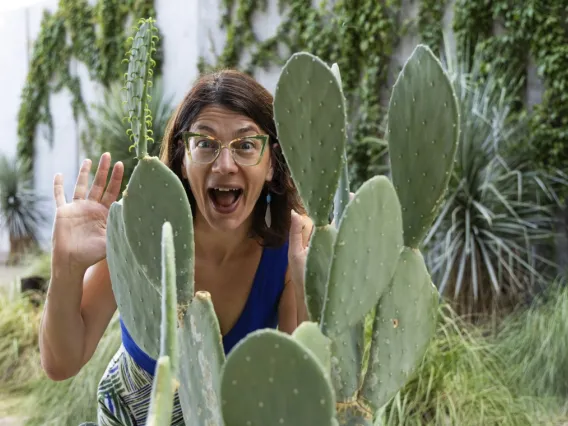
(226, 189)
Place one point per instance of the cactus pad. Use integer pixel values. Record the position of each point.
(270, 379)
(165, 383)
(318, 263)
(202, 356)
(309, 110)
(162, 400)
(405, 322)
(341, 198)
(138, 80)
(153, 196)
(423, 129)
(138, 301)
(347, 361)
(360, 273)
(309, 334)
(168, 340)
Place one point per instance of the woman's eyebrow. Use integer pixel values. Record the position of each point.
(241, 131)
(204, 127)
(245, 129)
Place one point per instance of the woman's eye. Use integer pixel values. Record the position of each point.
(245, 145)
(204, 143)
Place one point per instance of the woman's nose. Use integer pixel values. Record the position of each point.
(225, 162)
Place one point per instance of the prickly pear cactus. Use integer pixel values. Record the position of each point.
(423, 132)
(165, 383)
(368, 261)
(422, 141)
(270, 378)
(143, 215)
(138, 82)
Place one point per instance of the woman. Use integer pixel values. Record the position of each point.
(247, 218)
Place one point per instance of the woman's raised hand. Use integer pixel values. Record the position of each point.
(79, 229)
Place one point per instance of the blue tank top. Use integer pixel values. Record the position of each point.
(260, 310)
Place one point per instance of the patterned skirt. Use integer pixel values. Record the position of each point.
(124, 394)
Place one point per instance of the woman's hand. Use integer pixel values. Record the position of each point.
(301, 230)
(79, 229)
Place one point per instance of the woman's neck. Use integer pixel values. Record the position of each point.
(221, 246)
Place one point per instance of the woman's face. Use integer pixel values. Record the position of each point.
(226, 192)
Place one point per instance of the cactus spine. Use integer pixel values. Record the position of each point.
(368, 261)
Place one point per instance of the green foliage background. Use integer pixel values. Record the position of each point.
(360, 35)
(96, 35)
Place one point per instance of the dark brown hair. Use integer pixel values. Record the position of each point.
(240, 93)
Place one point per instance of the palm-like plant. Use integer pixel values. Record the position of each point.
(21, 213)
(481, 248)
(109, 131)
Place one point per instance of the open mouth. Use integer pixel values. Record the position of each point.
(225, 200)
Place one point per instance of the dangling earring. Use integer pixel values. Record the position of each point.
(268, 216)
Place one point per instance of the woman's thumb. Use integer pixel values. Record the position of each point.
(296, 228)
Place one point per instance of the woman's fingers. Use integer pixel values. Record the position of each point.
(97, 192)
(58, 191)
(82, 181)
(113, 187)
(99, 183)
(295, 236)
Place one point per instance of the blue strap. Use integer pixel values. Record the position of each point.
(260, 311)
(141, 358)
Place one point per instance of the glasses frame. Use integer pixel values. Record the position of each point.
(187, 135)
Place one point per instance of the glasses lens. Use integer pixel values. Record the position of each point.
(247, 151)
(203, 150)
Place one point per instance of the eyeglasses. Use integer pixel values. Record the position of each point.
(204, 149)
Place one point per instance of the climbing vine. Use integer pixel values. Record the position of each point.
(534, 31)
(430, 17)
(360, 36)
(94, 35)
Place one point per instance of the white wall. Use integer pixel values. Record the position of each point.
(17, 26)
(187, 28)
(182, 34)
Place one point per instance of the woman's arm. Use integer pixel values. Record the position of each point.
(70, 331)
(287, 313)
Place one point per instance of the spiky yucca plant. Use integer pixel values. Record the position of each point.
(21, 210)
(481, 249)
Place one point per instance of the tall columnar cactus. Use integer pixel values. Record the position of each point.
(367, 261)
